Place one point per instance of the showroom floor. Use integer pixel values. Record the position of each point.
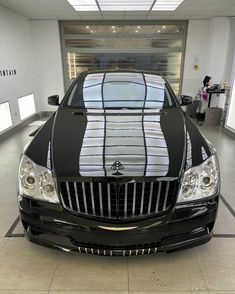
(29, 268)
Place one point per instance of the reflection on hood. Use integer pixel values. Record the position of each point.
(120, 90)
(135, 140)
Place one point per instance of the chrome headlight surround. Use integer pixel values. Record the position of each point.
(36, 181)
(200, 182)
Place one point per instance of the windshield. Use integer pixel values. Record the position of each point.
(118, 90)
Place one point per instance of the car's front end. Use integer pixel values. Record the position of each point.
(186, 222)
(119, 181)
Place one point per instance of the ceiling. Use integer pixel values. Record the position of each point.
(61, 9)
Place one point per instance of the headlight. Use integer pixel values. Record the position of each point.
(201, 181)
(36, 181)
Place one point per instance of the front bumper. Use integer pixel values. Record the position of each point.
(50, 225)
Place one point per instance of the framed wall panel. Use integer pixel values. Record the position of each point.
(5, 116)
(26, 106)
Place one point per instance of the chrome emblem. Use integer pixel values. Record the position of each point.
(117, 166)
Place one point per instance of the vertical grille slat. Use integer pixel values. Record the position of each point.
(166, 195)
(158, 196)
(69, 196)
(119, 201)
(109, 201)
(84, 197)
(92, 198)
(150, 197)
(134, 198)
(142, 199)
(76, 195)
(100, 198)
(125, 201)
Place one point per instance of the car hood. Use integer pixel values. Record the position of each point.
(118, 143)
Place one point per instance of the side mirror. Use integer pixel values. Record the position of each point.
(53, 100)
(186, 100)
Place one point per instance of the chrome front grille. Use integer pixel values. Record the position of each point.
(118, 201)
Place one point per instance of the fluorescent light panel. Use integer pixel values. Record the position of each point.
(123, 5)
(126, 8)
(166, 5)
(84, 5)
(86, 8)
(82, 2)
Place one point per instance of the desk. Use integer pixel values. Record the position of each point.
(210, 92)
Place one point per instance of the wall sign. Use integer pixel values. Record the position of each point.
(7, 72)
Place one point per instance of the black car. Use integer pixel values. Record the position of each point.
(119, 169)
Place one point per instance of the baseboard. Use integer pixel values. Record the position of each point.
(32, 118)
(229, 133)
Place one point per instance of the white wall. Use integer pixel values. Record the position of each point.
(230, 123)
(219, 34)
(196, 52)
(230, 64)
(48, 59)
(16, 53)
(210, 43)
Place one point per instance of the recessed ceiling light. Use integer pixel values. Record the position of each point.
(163, 27)
(137, 31)
(113, 27)
(138, 27)
(159, 31)
(114, 32)
(87, 27)
(91, 31)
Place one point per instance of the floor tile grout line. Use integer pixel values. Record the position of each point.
(62, 291)
(128, 281)
(207, 289)
(13, 226)
(221, 235)
(227, 205)
(25, 290)
(57, 263)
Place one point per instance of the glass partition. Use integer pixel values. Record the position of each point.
(158, 46)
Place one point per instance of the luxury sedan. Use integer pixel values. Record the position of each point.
(119, 169)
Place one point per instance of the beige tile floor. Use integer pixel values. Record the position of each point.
(31, 269)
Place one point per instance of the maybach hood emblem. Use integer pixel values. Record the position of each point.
(117, 166)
